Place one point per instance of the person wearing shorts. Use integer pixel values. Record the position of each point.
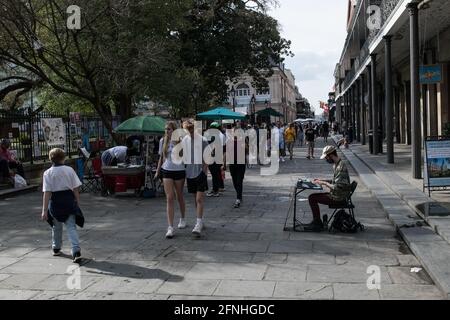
(173, 176)
(196, 171)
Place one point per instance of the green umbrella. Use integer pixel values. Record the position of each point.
(220, 114)
(269, 112)
(144, 125)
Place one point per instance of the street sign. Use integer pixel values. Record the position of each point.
(430, 74)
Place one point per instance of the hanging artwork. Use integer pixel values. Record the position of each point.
(54, 132)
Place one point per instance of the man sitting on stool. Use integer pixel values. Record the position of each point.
(339, 188)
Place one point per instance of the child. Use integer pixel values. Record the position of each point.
(61, 203)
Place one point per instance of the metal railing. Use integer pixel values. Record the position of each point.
(24, 129)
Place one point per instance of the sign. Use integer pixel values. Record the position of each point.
(430, 74)
(54, 132)
(437, 162)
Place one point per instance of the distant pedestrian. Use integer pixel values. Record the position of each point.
(216, 168)
(310, 139)
(61, 202)
(282, 144)
(326, 131)
(290, 136)
(173, 176)
(300, 134)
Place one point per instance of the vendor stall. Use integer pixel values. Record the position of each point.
(136, 175)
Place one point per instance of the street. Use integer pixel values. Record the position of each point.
(243, 254)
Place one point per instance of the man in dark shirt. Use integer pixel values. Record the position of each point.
(310, 137)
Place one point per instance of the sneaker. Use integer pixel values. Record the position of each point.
(308, 157)
(212, 194)
(77, 257)
(222, 190)
(198, 229)
(169, 234)
(182, 224)
(237, 204)
(56, 252)
(315, 226)
(283, 160)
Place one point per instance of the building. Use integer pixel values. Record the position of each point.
(281, 95)
(393, 74)
(304, 110)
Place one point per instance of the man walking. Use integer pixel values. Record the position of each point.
(290, 136)
(310, 136)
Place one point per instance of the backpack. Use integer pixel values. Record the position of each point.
(345, 223)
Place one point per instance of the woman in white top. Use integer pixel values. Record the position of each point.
(173, 176)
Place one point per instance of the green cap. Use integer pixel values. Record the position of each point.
(215, 125)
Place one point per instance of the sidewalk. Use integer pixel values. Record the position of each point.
(423, 222)
(243, 253)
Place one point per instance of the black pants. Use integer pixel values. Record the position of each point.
(216, 176)
(237, 172)
(4, 169)
(18, 167)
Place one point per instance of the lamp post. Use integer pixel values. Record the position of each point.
(253, 108)
(233, 95)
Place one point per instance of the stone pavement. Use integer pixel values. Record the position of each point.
(403, 200)
(243, 254)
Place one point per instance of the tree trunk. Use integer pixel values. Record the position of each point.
(105, 114)
(124, 106)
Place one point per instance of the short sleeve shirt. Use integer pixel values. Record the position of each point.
(61, 178)
(194, 156)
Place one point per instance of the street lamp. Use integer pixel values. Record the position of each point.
(253, 108)
(233, 94)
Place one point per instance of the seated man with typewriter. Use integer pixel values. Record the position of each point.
(339, 188)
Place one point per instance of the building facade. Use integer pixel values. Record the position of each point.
(281, 95)
(392, 80)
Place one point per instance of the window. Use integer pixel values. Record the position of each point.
(263, 92)
(242, 90)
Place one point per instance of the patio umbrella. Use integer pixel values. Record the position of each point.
(144, 125)
(269, 112)
(220, 113)
(147, 126)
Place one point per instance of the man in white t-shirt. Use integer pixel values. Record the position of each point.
(61, 203)
(113, 156)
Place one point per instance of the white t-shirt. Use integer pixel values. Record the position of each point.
(60, 178)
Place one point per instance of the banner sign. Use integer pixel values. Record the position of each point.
(437, 162)
(54, 132)
(430, 74)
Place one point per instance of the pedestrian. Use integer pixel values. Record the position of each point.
(326, 131)
(282, 144)
(237, 165)
(300, 134)
(6, 154)
(196, 170)
(290, 136)
(173, 175)
(61, 202)
(339, 187)
(113, 156)
(216, 168)
(310, 136)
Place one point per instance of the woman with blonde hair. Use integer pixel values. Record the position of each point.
(173, 176)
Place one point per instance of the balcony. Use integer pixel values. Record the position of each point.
(387, 8)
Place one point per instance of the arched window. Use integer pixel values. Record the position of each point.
(242, 90)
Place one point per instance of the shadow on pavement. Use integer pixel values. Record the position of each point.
(127, 271)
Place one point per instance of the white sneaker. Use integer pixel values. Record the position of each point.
(198, 229)
(237, 204)
(169, 234)
(182, 224)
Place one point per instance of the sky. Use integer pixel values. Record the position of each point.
(317, 29)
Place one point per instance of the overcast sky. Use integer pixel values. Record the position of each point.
(317, 29)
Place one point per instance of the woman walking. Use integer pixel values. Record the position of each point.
(173, 176)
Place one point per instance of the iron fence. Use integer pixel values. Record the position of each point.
(24, 129)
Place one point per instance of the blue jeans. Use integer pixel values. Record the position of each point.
(71, 227)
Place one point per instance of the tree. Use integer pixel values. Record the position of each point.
(179, 52)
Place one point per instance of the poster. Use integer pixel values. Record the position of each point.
(430, 74)
(438, 163)
(54, 132)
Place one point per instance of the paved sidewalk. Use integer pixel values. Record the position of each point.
(403, 201)
(243, 254)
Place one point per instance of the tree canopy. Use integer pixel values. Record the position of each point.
(180, 52)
